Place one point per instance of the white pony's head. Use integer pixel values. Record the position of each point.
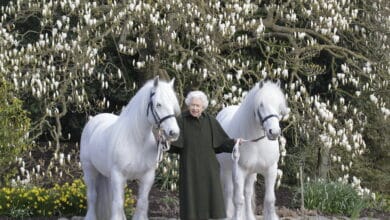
(163, 107)
(270, 106)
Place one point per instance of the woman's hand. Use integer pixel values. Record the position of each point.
(238, 140)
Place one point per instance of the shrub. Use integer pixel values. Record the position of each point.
(334, 198)
(14, 125)
(167, 174)
(65, 200)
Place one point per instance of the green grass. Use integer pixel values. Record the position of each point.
(334, 198)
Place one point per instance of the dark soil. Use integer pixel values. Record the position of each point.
(166, 203)
(163, 203)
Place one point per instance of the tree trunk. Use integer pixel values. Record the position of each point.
(323, 162)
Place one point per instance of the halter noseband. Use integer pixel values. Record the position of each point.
(266, 118)
(262, 122)
(236, 152)
(156, 117)
(162, 143)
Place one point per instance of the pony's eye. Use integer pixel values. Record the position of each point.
(158, 105)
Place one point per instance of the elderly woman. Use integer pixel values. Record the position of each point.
(201, 137)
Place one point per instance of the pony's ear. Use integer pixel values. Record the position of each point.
(155, 82)
(172, 82)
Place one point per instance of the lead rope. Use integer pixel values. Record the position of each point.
(236, 155)
(162, 146)
(236, 148)
(236, 152)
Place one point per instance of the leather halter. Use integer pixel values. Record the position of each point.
(162, 142)
(236, 152)
(156, 117)
(262, 122)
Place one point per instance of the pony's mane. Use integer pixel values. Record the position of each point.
(269, 93)
(139, 100)
(136, 109)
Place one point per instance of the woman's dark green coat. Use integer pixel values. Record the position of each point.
(200, 189)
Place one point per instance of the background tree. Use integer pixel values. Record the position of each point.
(75, 58)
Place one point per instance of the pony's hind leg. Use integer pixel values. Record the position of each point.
(269, 198)
(250, 197)
(146, 182)
(90, 176)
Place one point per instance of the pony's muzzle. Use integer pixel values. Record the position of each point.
(273, 134)
(173, 135)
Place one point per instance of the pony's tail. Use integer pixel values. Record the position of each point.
(104, 197)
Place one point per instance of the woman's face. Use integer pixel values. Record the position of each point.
(196, 107)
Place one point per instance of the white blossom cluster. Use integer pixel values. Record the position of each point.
(169, 168)
(320, 49)
(55, 67)
(32, 171)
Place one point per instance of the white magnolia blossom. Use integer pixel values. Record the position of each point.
(373, 98)
(209, 46)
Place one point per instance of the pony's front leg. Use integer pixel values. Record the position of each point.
(238, 182)
(269, 198)
(118, 182)
(228, 188)
(90, 175)
(250, 196)
(146, 182)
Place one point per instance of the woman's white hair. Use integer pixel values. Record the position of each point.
(197, 94)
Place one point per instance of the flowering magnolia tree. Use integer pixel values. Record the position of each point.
(331, 56)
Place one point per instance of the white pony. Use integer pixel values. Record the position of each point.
(117, 148)
(256, 120)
